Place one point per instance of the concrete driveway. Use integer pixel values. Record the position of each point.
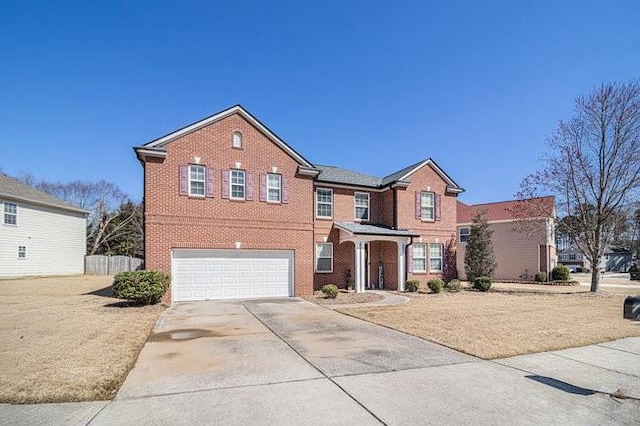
(287, 361)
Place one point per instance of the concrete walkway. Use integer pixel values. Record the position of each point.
(287, 361)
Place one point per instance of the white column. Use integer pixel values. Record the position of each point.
(359, 267)
(401, 264)
(356, 266)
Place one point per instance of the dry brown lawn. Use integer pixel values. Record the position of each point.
(65, 339)
(344, 298)
(512, 319)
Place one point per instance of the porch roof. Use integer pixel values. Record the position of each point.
(365, 229)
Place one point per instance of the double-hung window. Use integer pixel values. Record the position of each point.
(435, 257)
(324, 257)
(196, 180)
(464, 234)
(324, 203)
(362, 206)
(22, 252)
(10, 214)
(419, 257)
(427, 209)
(274, 185)
(237, 183)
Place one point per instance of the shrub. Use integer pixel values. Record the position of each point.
(482, 283)
(330, 291)
(141, 287)
(541, 277)
(435, 285)
(454, 286)
(560, 273)
(412, 286)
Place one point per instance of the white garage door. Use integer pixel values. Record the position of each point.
(230, 274)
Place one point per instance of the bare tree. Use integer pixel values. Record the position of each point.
(592, 166)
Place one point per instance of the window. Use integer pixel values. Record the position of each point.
(324, 203)
(435, 257)
(237, 184)
(196, 181)
(426, 206)
(10, 214)
(22, 252)
(273, 188)
(464, 234)
(324, 257)
(237, 140)
(419, 258)
(572, 256)
(362, 205)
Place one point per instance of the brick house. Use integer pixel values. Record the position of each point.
(233, 211)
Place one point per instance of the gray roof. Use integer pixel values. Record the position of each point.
(15, 190)
(348, 177)
(397, 175)
(363, 229)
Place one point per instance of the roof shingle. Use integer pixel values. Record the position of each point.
(15, 190)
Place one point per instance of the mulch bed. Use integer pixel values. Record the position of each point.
(344, 298)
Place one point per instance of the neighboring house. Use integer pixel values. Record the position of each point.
(573, 259)
(39, 234)
(233, 211)
(523, 243)
(615, 259)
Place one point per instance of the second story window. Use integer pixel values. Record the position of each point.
(324, 203)
(464, 234)
(10, 214)
(196, 180)
(427, 205)
(362, 206)
(273, 188)
(237, 184)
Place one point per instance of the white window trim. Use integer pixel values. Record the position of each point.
(467, 234)
(441, 258)
(318, 257)
(355, 207)
(204, 180)
(426, 257)
(22, 251)
(279, 188)
(244, 185)
(433, 206)
(4, 213)
(324, 217)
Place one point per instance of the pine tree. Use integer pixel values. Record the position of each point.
(479, 259)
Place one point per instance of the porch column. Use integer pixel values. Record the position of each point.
(359, 266)
(401, 263)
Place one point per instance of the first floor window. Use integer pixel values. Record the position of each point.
(464, 234)
(324, 203)
(419, 258)
(10, 214)
(427, 206)
(22, 252)
(237, 184)
(196, 181)
(324, 257)
(435, 257)
(273, 187)
(362, 205)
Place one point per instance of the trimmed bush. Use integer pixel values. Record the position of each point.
(412, 286)
(141, 287)
(482, 283)
(541, 277)
(435, 285)
(560, 273)
(330, 291)
(454, 285)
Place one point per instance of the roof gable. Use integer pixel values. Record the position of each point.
(13, 189)
(405, 173)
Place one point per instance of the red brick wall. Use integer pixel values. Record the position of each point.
(174, 221)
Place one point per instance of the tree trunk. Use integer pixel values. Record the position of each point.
(595, 279)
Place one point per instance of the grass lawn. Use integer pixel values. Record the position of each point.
(65, 339)
(512, 319)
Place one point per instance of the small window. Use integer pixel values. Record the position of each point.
(237, 184)
(324, 257)
(324, 203)
(435, 257)
(362, 206)
(427, 205)
(196, 180)
(237, 140)
(10, 214)
(419, 257)
(464, 234)
(273, 188)
(572, 256)
(22, 252)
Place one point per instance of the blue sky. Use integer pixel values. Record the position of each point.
(369, 85)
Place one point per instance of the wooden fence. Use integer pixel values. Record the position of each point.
(110, 265)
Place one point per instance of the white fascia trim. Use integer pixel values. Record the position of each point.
(142, 153)
(226, 113)
(308, 172)
(355, 188)
(438, 170)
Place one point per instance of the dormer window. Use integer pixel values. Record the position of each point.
(237, 140)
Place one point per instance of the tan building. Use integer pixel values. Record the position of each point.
(523, 236)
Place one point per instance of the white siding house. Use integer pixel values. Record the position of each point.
(39, 234)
